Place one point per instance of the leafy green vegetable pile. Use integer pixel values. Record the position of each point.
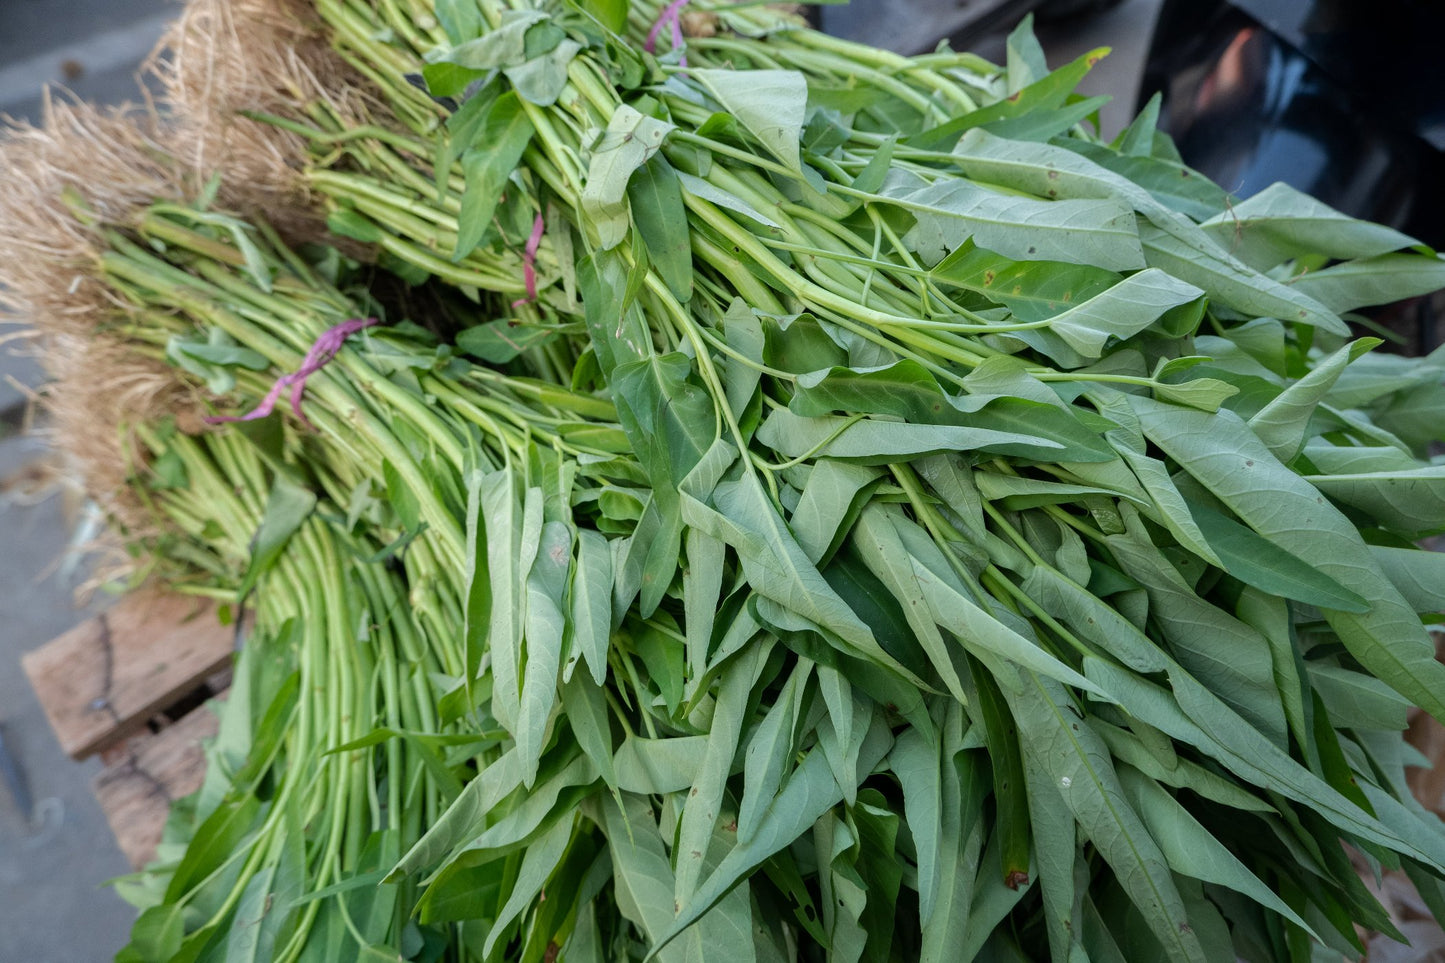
(800, 503)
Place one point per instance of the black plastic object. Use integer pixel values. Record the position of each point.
(914, 26)
(1339, 98)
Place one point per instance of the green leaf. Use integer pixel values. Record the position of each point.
(1198, 718)
(1192, 850)
(1280, 223)
(1033, 290)
(1409, 501)
(157, 934)
(1205, 394)
(713, 194)
(630, 139)
(222, 834)
(210, 358)
(1079, 768)
(1283, 424)
(743, 332)
(702, 581)
(1047, 93)
(1137, 140)
(461, 131)
(873, 174)
(841, 731)
(906, 390)
(644, 890)
(771, 104)
(1128, 749)
(219, 350)
(663, 659)
(880, 870)
(809, 793)
(585, 707)
(461, 19)
(881, 548)
(1230, 657)
(544, 625)
(1100, 233)
(1129, 307)
(1165, 504)
(1418, 575)
(592, 602)
(615, 323)
(656, 766)
(873, 442)
(1358, 701)
(706, 798)
(657, 210)
(500, 341)
(287, 508)
(914, 760)
(464, 818)
(612, 14)
(842, 892)
(1229, 282)
(1011, 795)
(671, 423)
(1025, 58)
(835, 493)
(539, 860)
(1043, 125)
(501, 507)
(565, 779)
(1170, 241)
(776, 566)
(1094, 620)
(766, 762)
(986, 637)
(880, 611)
(497, 48)
(542, 77)
(503, 136)
(1378, 280)
(1169, 181)
(1224, 456)
(1263, 564)
(1056, 851)
(963, 788)
(450, 80)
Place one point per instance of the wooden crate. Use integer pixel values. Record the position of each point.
(129, 685)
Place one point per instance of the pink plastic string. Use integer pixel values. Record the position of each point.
(321, 352)
(671, 16)
(529, 262)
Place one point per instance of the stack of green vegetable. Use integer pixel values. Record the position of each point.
(846, 510)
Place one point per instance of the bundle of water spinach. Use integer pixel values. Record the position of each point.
(1021, 557)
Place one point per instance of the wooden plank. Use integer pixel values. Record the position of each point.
(104, 679)
(136, 790)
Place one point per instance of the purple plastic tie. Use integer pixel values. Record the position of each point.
(672, 16)
(321, 352)
(529, 262)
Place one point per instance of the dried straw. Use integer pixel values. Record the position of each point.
(85, 166)
(82, 166)
(79, 160)
(224, 58)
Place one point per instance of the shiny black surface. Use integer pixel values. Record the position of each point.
(1345, 107)
(1384, 51)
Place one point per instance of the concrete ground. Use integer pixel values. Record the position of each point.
(56, 850)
